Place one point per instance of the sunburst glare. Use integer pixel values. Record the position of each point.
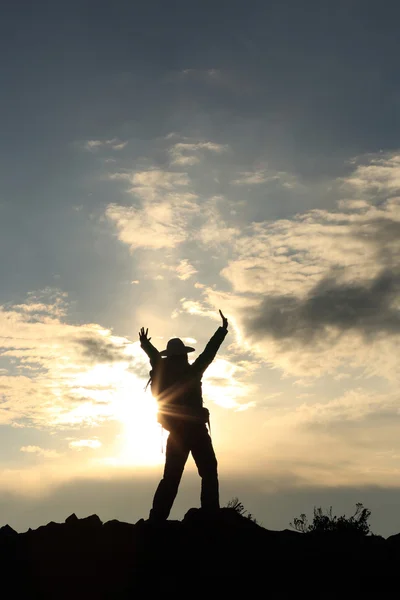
(114, 393)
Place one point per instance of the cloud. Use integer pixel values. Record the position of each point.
(99, 350)
(41, 304)
(251, 177)
(166, 211)
(185, 270)
(359, 415)
(369, 308)
(292, 256)
(354, 405)
(185, 153)
(352, 437)
(211, 75)
(225, 383)
(113, 144)
(119, 145)
(40, 451)
(93, 144)
(214, 231)
(225, 80)
(162, 219)
(37, 310)
(265, 175)
(153, 183)
(318, 290)
(162, 224)
(59, 373)
(82, 444)
(308, 293)
(207, 72)
(376, 175)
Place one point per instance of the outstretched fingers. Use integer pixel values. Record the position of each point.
(143, 334)
(224, 320)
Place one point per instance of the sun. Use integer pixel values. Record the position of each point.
(120, 395)
(142, 437)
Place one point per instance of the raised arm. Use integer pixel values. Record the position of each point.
(207, 356)
(148, 347)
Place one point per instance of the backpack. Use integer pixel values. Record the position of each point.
(168, 394)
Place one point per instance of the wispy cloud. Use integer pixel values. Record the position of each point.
(43, 452)
(186, 154)
(226, 384)
(162, 219)
(358, 428)
(215, 231)
(112, 144)
(375, 174)
(119, 145)
(208, 72)
(162, 224)
(261, 176)
(207, 76)
(155, 180)
(93, 144)
(251, 178)
(185, 270)
(83, 444)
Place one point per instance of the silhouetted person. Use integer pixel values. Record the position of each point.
(177, 385)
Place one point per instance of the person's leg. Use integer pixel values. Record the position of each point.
(206, 462)
(177, 453)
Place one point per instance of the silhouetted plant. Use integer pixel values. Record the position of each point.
(239, 508)
(325, 521)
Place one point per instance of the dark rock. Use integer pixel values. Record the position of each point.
(50, 529)
(394, 539)
(7, 531)
(116, 525)
(71, 519)
(92, 522)
(222, 554)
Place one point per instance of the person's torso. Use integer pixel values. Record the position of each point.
(182, 386)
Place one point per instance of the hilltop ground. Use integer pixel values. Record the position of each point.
(227, 554)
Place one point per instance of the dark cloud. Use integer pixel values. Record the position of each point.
(345, 425)
(367, 308)
(385, 235)
(97, 350)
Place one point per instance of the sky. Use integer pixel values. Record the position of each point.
(159, 162)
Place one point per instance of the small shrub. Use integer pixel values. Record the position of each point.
(325, 521)
(239, 508)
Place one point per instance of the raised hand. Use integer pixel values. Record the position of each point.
(224, 321)
(143, 335)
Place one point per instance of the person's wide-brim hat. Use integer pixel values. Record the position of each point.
(176, 347)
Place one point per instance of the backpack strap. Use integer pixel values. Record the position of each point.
(147, 385)
(150, 379)
(162, 438)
